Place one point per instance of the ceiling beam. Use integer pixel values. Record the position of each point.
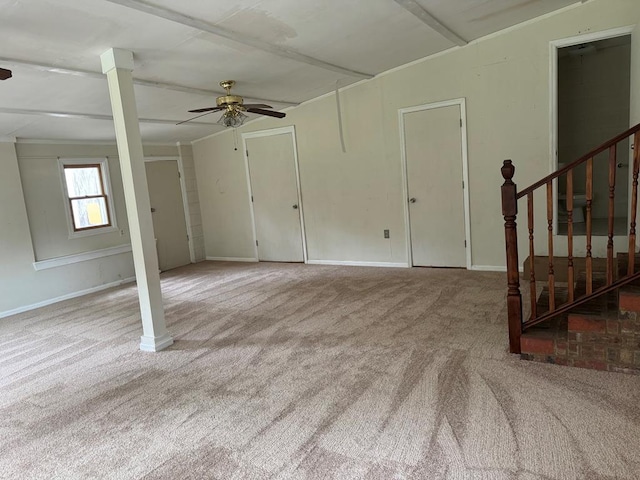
(137, 81)
(235, 36)
(419, 11)
(91, 116)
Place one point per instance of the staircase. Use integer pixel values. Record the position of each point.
(593, 322)
(602, 334)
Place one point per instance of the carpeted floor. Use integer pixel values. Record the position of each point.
(303, 372)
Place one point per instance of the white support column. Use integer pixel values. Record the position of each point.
(117, 64)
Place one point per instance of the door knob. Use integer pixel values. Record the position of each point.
(153, 210)
(295, 207)
(412, 200)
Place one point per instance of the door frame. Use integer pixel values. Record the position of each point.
(554, 46)
(185, 200)
(267, 133)
(461, 103)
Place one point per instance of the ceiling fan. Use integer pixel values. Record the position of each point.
(234, 108)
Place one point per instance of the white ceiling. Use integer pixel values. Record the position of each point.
(365, 36)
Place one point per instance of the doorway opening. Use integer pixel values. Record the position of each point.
(593, 105)
(168, 212)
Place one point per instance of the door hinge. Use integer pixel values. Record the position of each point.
(179, 174)
(465, 244)
(187, 237)
(256, 243)
(247, 152)
(460, 123)
(463, 184)
(252, 198)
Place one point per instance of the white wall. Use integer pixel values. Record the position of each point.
(46, 203)
(350, 198)
(36, 212)
(20, 284)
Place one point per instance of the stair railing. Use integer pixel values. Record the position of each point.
(510, 197)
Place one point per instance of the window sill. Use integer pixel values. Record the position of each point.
(80, 257)
(93, 231)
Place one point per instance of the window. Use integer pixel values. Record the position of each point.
(87, 189)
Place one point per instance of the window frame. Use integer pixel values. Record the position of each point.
(105, 179)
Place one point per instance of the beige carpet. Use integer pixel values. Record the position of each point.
(303, 372)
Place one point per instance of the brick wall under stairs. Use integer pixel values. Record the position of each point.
(603, 334)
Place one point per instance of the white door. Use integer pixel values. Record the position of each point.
(167, 209)
(433, 146)
(274, 190)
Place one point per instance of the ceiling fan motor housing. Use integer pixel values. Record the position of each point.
(229, 100)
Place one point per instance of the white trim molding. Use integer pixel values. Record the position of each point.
(358, 264)
(185, 206)
(488, 268)
(231, 259)
(155, 344)
(68, 296)
(461, 103)
(80, 257)
(492, 268)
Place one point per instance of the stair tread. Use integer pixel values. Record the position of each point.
(605, 306)
(600, 305)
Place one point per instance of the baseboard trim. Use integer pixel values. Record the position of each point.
(155, 344)
(80, 257)
(357, 264)
(68, 296)
(231, 259)
(492, 268)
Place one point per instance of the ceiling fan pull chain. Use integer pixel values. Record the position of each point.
(235, 139)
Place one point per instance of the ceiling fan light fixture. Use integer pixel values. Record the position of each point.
(233, 108)
(232, 118)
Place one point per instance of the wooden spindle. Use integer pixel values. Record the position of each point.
(514, 298)
(634, 204)
(552, 289)
(589, 260)
(570, 273)
(532, 269)
(612, 192)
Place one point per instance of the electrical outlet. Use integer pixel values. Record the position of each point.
(122, 232)
(386, 233)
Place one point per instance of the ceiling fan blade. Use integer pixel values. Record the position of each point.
(193, 118)
(256, 105)
(209, 109)
(268, 113)
(4, 73)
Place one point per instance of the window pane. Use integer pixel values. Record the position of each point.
(83, 181)
(89, 212)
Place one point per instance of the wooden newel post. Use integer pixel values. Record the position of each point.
(514, 298)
